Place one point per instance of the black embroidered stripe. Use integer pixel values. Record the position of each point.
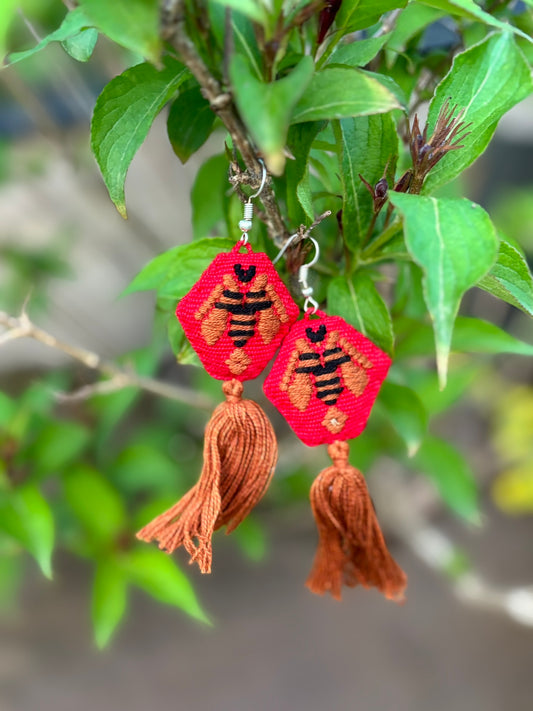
(256, 294)
(331, 351)
(247, 333)
(242, 322)
(232, 294)
(248, 309)
(241, 343)
(308, 356)
(325, 369)
(331, 402)
(327, 383)
(328, 393)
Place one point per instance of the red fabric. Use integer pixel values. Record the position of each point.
(237, 269)
(335, 372)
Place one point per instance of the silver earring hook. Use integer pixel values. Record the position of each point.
(263, 181)
(245, 225)
(303, 272)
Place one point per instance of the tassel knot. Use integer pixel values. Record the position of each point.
(232, 389)
(339, 452)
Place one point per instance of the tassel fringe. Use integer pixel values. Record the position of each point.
(240, 453)
(351, 549)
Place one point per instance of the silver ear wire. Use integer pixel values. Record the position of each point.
(245, 225)
(303, 272)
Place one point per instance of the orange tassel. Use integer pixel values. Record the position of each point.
(351, 549)
(240, 453)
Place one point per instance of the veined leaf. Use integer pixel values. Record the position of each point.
(212, 180)
(109, 600)
(486, 81)
(266, 107)
(179, 267)
(470, 9)
(406, 413)
(358, 301)
(156, 573)
(359, 53)
(358, 14)
(510, 278)
(7, 12)
(189, 123)
(411, 21)
(470, 335)
(81, 46)
(455, 244)
(338, 92)
(133, 24)
(26, 517)
(451, 474)
(366, 145)
(75, 24)
(122, 117)
(300, 139)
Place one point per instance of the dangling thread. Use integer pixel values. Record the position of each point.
(351, 549)
(240, 453)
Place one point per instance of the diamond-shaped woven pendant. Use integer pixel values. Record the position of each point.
(237, 314)
(326, 378)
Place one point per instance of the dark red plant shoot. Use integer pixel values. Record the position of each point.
(447, 136)
(327, 17)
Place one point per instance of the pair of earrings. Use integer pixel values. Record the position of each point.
(324, 381)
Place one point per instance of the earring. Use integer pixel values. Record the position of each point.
(324, 382)
(235, 317)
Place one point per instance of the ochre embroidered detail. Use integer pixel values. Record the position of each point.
(238, 361)
(351, 549)
(334, 420)
(240, 453)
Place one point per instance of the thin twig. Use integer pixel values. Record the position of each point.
(174, 31)
(23, 327)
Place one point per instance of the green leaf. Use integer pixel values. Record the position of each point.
(141, 467)
(338, 92)
(359, 53)
(133, 24)
(455, 244)
(510, 278)
(57, 444)
(123, 115)
(486, 81)
(95, 503)
(189, 123)
(266, 108)
(26, 517)
(251, 538)
(8, 409)
(470, 335)
(8, 9)
(406, 413)
(212, 180)
(299, 201)
(366, 145)
(109, 600)
(359, 302)
(81, 46)
(358, 14)
(73, 25)
(470, 9)
(156, 573)
(411, 21)
(451, 474)
(177, 270)
(251, 8)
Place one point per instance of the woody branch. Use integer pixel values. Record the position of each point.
(22, 327)
(174, 31)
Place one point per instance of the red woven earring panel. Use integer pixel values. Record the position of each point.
(237, 314)
(325, 379)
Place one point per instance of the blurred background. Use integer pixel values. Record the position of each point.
(463, 639)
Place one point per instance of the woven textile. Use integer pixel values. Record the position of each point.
(237, 314)
(326, 378)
